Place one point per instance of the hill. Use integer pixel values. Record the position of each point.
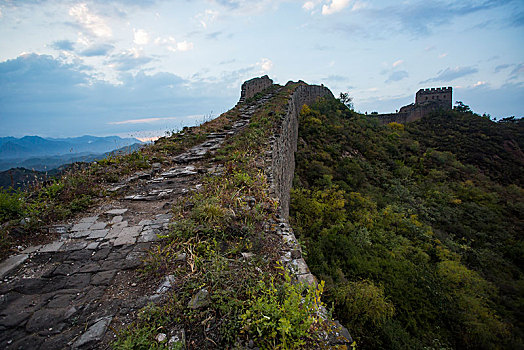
(34, 152)
(416, 228)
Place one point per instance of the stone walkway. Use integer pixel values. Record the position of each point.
(70, 292)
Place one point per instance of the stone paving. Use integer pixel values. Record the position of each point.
(67, 293)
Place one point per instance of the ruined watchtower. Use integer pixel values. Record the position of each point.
(253, 86)
(441, 96)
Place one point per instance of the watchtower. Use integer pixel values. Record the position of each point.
(441, 96)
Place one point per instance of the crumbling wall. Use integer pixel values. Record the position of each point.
(281, 171)
(253, 86)
(284, 142)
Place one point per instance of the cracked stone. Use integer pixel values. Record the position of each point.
(11, 263)
(44, 319)
(30, 250)
(98, 226)
(80, 234)
(71, 246)
(61, 301)
(103, 278)
(90, 219)
(94, 333)
(81, 226)
(101, 254)
(79, 255)
(117, 219)
(95, 234)
(51, 247)
(116, 211)
(79, 280)
(92, 245)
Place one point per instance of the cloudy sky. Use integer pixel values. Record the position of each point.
(131, 67)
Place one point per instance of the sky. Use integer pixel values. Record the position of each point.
(143, 68)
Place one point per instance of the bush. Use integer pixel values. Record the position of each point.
(11, 207)
(281, 317)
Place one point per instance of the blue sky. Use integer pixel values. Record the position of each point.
(130, 67)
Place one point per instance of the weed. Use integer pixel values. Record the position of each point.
(10, 205)
(281, 315)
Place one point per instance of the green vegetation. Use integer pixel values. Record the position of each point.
(218, 243)
(416, 228)
(25, 215)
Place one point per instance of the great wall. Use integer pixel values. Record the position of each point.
(427, 101)
(74, 292)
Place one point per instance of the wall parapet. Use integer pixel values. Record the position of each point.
(280, 172)
(285, 141)
(253, 86)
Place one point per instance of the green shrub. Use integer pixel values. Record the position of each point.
(11, 205)
(280, 317)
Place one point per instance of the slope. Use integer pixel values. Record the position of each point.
(416, 228)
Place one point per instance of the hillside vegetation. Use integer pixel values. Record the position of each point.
(416, 228)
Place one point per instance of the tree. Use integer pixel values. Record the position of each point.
(461, 107)
(346, 100)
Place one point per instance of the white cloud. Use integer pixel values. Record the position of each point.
(335, 6)
(165, 41)
(91, 22)
(397, 63)
(207, 17)
(184, 46)
(309, 5)
(265, 64)
(479, 83)
(172, 45)
(442, 55)
(140, 37)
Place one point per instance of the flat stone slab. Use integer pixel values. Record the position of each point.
(148, 236)
(94, 333)
(31, 249)
(116, 211)
(80, 234)
(117, 219)
(133, 231)
(11, 263)
(103, 278)
(124, 240)
(98, 226)
(95, 234)
(51, 247)
(82, 226)
(92, 245)
(71, 246)
(90, 219)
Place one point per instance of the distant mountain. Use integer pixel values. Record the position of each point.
(32, 146)
(39, 169)
(38, 153)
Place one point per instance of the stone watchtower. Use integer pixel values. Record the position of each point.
(441, 96)
(253, 86)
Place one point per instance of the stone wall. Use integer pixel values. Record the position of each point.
(253, 86)
(284, 142)
(426, 102)
(442, 96)
(280, 173)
